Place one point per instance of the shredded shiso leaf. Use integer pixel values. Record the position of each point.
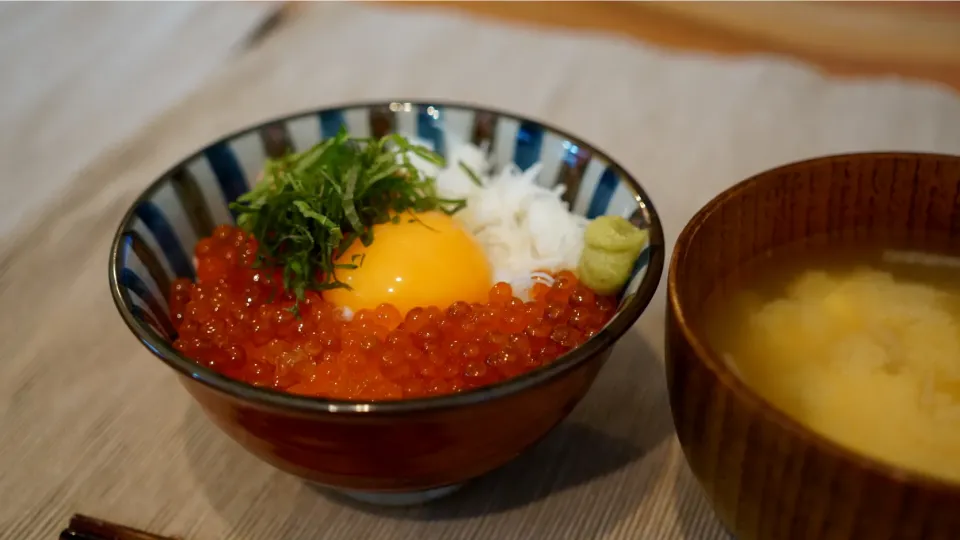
(313, 205)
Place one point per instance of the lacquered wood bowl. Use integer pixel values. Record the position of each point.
(768, 477)
(384, 452)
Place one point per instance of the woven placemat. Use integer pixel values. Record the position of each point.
(77, 79)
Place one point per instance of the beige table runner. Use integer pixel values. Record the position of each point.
(78, 78)
(90, 422)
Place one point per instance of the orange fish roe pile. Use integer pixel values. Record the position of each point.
(238, 320)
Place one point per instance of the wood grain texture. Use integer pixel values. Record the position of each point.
(910, 39)
(767, 477)
(88, 528)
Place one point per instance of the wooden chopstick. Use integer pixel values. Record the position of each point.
(88, 528)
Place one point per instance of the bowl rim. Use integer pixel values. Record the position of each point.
(712, 361)
(604, 339)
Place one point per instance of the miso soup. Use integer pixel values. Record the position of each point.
(859, 344)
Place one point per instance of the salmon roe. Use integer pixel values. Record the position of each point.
(239, 321)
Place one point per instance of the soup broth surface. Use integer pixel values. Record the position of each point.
(860, 344)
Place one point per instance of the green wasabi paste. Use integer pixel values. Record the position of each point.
(611, 247)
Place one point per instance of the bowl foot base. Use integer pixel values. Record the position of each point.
(406, 498)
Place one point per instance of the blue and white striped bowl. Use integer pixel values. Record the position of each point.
(154, 242)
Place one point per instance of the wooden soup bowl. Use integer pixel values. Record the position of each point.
(768, 477)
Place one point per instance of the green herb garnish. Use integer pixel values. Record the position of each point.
(473, 176)
(311, 206)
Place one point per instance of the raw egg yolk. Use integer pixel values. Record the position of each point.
(422, 260)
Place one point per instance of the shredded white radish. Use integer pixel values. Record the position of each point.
(523, 227)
